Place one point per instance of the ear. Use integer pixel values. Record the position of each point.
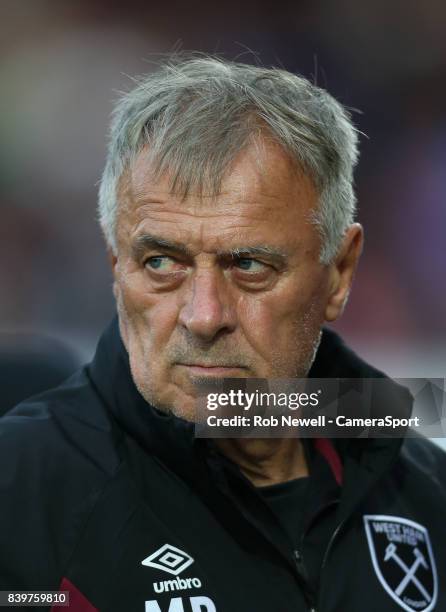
(342, 271)
(113, 260)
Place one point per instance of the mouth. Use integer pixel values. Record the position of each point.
(210, 370)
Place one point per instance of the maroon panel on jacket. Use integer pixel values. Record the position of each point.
(326, 448)
(78, 601)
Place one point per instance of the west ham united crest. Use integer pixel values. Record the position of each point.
(403, 560)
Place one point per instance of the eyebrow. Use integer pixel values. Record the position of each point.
(146, 242)
(255, 251)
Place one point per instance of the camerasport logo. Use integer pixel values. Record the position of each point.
(169, 559)
(403, 560)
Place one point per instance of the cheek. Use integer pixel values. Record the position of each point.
(282, 327)
(277, 312)
(150, 316)
(149, 320)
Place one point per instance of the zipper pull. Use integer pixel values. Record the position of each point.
(303, 574)
(300, 564)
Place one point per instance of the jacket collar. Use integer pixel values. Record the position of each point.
(172, 439)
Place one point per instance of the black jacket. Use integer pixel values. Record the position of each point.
(105, 497)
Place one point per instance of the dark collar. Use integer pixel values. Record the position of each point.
(172, 439)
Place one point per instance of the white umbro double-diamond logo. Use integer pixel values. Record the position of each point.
(169, 559)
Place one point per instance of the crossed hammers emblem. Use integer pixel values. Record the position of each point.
(409, 571)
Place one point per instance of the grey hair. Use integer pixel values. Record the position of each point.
(198, 113)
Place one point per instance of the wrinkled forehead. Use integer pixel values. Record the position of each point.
(264, 205)
(262, 171)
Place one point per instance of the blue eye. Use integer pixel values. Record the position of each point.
(244, 264)
(155, 262)
(158, 262)
(250, 265)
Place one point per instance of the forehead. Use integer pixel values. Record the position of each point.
(263, 195)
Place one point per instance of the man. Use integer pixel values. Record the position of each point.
(227, 207)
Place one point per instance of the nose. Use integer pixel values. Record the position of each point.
(207, 310)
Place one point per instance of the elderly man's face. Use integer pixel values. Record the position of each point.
(224, 287)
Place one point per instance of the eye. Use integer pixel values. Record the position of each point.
(249, 265)
(163, 263)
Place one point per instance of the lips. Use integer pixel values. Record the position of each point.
(210, 366)
(211, 369)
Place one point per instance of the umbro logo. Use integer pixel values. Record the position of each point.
(169, 559)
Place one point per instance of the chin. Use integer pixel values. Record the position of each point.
(185, 411)
(179, 404)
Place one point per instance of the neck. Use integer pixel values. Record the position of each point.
(266, 461)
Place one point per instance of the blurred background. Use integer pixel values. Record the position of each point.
(61, 66)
